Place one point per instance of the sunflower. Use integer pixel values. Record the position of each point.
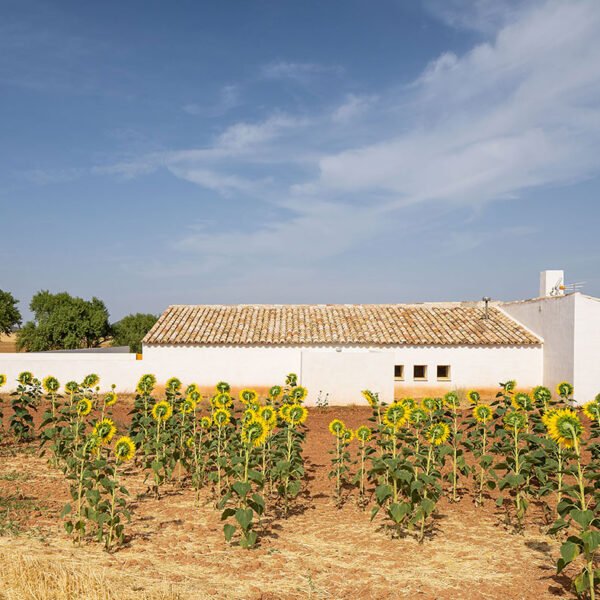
(84, 407)
(371, 398)
(547, 416)
(124, 449)
(222, 400)
(396, 415)
(269, 415)
(188, 406)
(337, 427)
(418, 416)
(408, 402)
(249, 415)
(255, 432)
(91, 380)
(564, 427)
(173, 384)
(429, 404)
(275, 392)
(597, 398)
(190, 442)
(283, 411)
(104, 430)
(299, 393)
(223, 387)
(347, 436)
(146, 384)
(194, 395)
(247, 396)
(451, 400)
(297, 414)
(110, 399)
(162, 411)
(510, 385)
(482, 413)
(72, 387)
(592, 410)
(515, 420)
(542, 395)
(193, 387)
(221, 417)
(50, 384)
(205, 422)
(291, 379)
(474, 396)
(564, 390)
(522, 401)
(437, 433)
(363, 434)
(25, 378)
(2, 379)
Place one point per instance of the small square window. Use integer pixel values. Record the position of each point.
(443, 372)
(420, 372)
(399, 372)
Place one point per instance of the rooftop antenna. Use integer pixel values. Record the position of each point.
(487, 300)
(573, 287)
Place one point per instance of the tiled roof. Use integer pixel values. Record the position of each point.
(455, 324)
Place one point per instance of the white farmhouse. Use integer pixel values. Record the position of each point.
(339, 350)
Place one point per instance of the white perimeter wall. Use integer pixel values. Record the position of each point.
(340, 374)
(587, 348)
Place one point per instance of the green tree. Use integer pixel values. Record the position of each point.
(9, 313)
(130, 330)
(64, 322)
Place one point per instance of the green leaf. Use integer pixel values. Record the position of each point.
(499, 501)
(241, 488)
(569, 551)
(228, 512)
(591, 540)
(65, 511)
(582, 517)
(228, 530)
(244, 517)
(398, 511)
(427, 506)
(383, 492)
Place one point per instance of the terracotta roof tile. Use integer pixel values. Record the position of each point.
(443, 324)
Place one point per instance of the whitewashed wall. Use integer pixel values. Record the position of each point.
(340, 372)
(587, 348)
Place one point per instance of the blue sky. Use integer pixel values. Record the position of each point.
(154, 153)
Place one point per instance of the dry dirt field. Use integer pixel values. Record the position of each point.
(8, 343)
(176, 548)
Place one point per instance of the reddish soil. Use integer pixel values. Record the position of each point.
(319, 551)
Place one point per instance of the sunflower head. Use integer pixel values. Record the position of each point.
(410, 403)
(547, 416)
(25, 378)
(222, 400)
(297, 414)
(337, 427)
(565, 390)
(173, 385)
(72, 387)
(269, 415)
(248, 396)
(205, 422)
(482, 413)
(146, 384)
(515, 420)
(371, 398)
(275, 392)
(474, 396)
(223, 387)
(90, 381)
(124, 449)
(194, 395)
(396, 415)
(248, 415)
(363, 434)
(592, 410)
(347, 436)
(2, 379)
(188, 406)
(110, 399)
(522, 401)
(84, 407)
(542, 395)
(564, 427)
(193, 387)
(418, 416)
(437, 433)
(451, 400)
(509, 386)
(104, 430)
(429, 404)
(162, 411)
(291, 380)
(255, 432)
(50, 384)
(221, 417)
(298, 394)
(283, 412)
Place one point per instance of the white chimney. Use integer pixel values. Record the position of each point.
(552, 283)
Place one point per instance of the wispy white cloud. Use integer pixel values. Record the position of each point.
(297, 71)
(352, 107)
(229, 97)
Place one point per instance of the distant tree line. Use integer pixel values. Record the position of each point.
(65, 322)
